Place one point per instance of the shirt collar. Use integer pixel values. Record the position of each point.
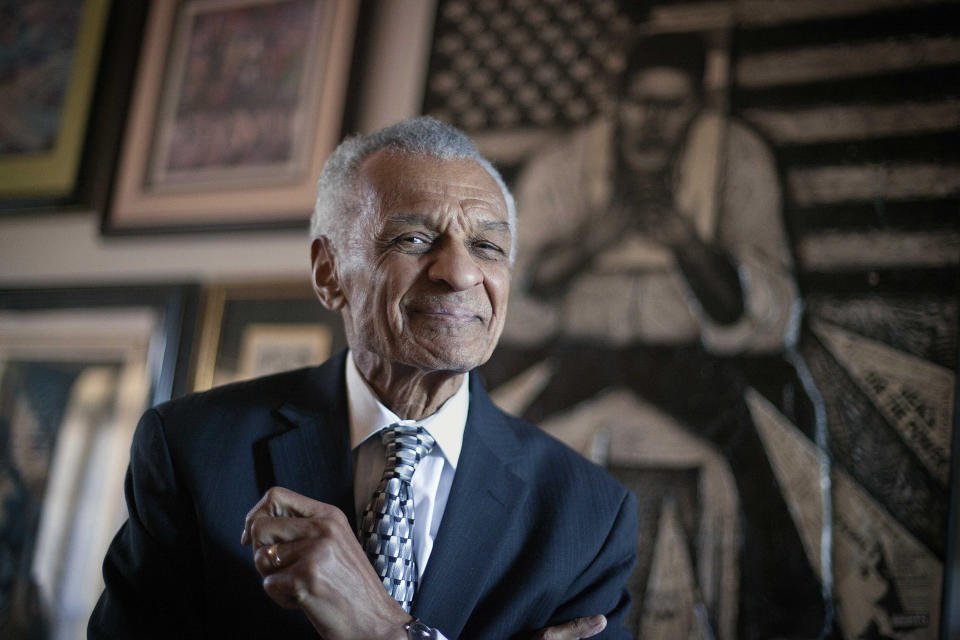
(368, 415)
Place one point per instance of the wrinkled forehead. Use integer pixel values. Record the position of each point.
(398, 178)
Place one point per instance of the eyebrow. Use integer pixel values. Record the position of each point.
(496, 225)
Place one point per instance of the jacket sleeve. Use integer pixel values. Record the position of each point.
(602, 586)
(152, 584)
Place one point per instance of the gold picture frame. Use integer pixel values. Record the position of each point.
(52, 172)
(256, 328)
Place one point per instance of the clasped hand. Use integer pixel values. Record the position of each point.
(318, 566)
(311, 560)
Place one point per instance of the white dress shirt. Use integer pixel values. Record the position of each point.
(434, 474)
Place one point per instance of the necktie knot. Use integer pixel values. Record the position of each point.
(405, 446)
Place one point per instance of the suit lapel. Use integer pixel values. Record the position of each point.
(313, 458)
(485, 492)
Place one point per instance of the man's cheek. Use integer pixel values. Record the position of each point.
(388, 310)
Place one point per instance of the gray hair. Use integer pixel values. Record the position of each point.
(337, 194)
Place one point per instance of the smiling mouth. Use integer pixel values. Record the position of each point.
(446, 310)
(454, 314)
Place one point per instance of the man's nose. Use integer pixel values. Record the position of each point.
(454, 265)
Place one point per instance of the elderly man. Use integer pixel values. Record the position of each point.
(471, 523)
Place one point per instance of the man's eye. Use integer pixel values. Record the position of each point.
(487, 247)
(413, 243)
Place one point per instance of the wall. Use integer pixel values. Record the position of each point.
(792, 458)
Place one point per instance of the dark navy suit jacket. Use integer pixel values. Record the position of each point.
(533, 534)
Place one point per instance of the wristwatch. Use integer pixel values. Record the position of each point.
(416, 630)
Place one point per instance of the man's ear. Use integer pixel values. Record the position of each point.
(326, 284)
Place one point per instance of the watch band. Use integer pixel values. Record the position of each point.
(417, 630)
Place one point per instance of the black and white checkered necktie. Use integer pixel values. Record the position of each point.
(386, 529)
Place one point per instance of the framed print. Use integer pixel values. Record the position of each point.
(77, 368)
(237, 105)
(257, 328)
(793, 454)
(48, 74)
(266, 349)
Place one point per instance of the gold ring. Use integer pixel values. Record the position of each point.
(274, 557)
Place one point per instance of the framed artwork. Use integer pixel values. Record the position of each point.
(48, 75)
(236, 107)
(77, 368)
(257, 328)
(787, 412)
(266, 348)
